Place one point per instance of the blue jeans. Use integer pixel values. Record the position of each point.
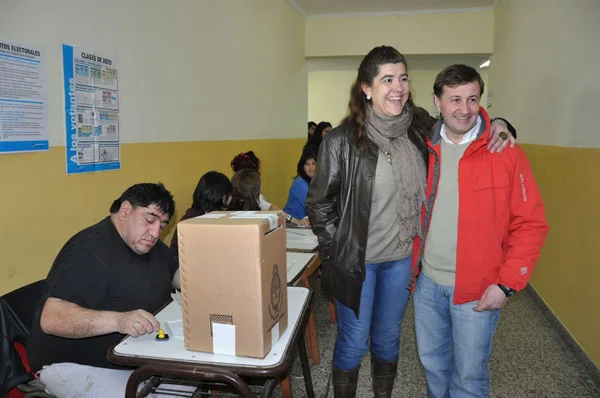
(382, 303)
(454, 342)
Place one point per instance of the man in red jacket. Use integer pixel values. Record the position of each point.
(483, 229)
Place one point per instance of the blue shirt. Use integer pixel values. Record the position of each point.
(296, 198)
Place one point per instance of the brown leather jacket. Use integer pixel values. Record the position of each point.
(338, 205)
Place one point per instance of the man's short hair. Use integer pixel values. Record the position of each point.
(455, 75)
(144, 195)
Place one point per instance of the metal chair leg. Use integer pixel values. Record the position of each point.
(310, 393)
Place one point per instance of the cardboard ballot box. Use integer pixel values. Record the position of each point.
(233, 282)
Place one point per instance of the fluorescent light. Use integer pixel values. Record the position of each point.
(484, 64)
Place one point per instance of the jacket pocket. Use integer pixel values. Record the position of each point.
(493, 181)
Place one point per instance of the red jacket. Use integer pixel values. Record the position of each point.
(501, 223)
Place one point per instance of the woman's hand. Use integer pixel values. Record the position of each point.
(500, 137)
(301, 223)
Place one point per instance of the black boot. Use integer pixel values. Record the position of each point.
(344, 383)
(383, 374)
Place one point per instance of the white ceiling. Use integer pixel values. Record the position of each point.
(321, 8)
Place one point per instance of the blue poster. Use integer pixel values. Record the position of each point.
(91, 111)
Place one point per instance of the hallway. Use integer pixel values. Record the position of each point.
(530, 358)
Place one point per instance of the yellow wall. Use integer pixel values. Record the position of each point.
(329, 92)
(444, 33)
(567, 273)
(43, 207)
(544, 75)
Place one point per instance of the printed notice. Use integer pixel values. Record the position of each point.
(91, 110)
(23, 98)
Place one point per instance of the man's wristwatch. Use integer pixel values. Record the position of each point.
(288, 218)
(508, 292)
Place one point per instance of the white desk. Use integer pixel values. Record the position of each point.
(301, 269)
(146, 352)
(301, 239)
(146, 346)
(296, 263)
(302, 263)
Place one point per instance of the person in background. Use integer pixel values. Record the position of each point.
(364, 204)
(314, 142)
(482, 231)
(105, 283)
(323, 128)
(311, 129)
(297, 195)
(213, 192)
(246, 189)
(249, 160)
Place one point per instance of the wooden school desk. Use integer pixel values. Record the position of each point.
(170, 359)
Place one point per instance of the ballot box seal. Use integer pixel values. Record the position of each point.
(276, 294)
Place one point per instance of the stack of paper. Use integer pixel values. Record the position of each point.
(176, 297)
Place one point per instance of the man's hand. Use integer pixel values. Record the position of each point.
(136, 323)
(492, 299)
(65, 319)
(496, 143)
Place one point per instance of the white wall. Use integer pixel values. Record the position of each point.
(545, 70)
(328, 95)
(189, 70)
(427, 33)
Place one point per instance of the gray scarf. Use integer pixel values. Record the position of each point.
(410, 174)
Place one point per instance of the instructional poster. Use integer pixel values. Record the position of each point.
(23, 98)
(91, 110)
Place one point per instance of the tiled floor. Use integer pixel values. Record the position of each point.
(529, 360)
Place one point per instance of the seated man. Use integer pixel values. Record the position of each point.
(105, 283)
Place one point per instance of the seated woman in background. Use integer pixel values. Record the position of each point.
(246, 190)
(314, 142)
(213, 192)
(311, 129)
(248, 160)
(305, 171)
